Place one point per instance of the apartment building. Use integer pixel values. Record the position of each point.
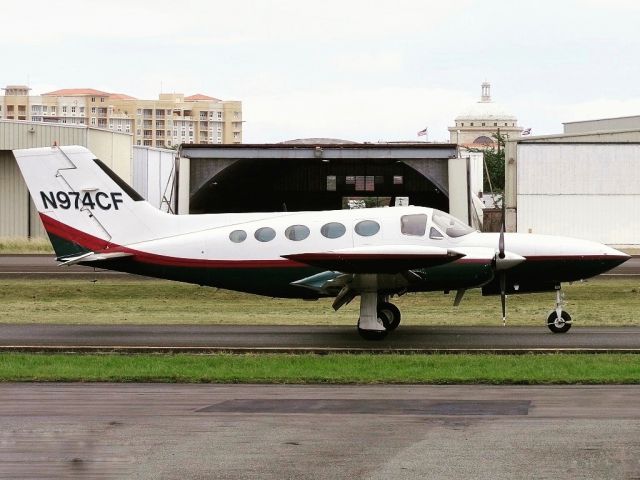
(169, 121)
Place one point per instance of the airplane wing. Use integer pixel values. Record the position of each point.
(378, 259)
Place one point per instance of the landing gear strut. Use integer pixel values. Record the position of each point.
(370, 325)
(377, 315)
(559, 321)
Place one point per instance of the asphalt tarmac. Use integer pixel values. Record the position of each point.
(151, 431)
(27, 337)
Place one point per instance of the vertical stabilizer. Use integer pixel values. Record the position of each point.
(84, 206)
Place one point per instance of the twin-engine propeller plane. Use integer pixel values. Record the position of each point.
(94, 218)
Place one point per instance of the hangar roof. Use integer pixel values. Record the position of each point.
(389, 151)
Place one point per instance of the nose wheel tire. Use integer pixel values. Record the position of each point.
(389, 314)
(559, 325)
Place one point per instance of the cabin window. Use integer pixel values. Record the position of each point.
(333, 230)
(367, 228)
(265, 234)
(413, 224)
(297, 232)
(238, 236)
(434, 234)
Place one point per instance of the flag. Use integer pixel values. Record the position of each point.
(526, 131)
(422, 133)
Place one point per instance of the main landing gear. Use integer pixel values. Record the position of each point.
(389, 314)
(377, 315)
(559, 321)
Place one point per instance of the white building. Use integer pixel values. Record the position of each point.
(584, 185)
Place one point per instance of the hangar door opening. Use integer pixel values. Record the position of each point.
(301, 184)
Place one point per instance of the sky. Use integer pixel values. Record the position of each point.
(358, 70)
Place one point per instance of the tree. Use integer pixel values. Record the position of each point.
(494, 164)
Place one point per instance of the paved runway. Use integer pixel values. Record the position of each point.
(312, 338)
(45, 266)
(266, 432)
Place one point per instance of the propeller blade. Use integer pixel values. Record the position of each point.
(502, 229)
(503, 297)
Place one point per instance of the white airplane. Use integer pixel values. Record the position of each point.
(94, 218)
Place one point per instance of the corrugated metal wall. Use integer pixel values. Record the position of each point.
(153, 176)
(15, 135)
(14, 198)
(18, 217)
(114, 149)
(581, 190)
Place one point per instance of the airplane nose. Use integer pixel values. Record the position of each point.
(610, 257)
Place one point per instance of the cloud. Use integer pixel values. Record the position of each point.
(599, 108)
(202, 22)
(388, 114)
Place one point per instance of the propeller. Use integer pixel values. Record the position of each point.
(503, 273)
(503, 261)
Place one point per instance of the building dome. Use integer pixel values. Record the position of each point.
(486, 109)
(476, 126)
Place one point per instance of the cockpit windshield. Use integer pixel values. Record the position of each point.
(450, 225)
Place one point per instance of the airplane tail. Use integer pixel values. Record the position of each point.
(84, 206)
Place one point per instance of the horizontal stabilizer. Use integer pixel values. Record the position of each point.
(378, 259)
(94, 257)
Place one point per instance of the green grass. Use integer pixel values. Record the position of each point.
(25, 245)
(603, 301)
(315, 369)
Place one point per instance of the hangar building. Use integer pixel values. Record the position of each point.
(583, 183)
(18, 217)
(322, 174)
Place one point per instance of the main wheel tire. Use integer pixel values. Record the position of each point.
(372, 334)
(559, 325)
(389, 314)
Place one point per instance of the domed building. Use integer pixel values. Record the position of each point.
(475, 127)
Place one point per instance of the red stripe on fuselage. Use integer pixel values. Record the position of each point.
(99, 245)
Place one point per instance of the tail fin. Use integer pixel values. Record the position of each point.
(84, 206)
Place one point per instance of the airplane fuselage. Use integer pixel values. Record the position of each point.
(248, 253)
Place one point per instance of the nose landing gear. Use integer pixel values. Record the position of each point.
(559, 321)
